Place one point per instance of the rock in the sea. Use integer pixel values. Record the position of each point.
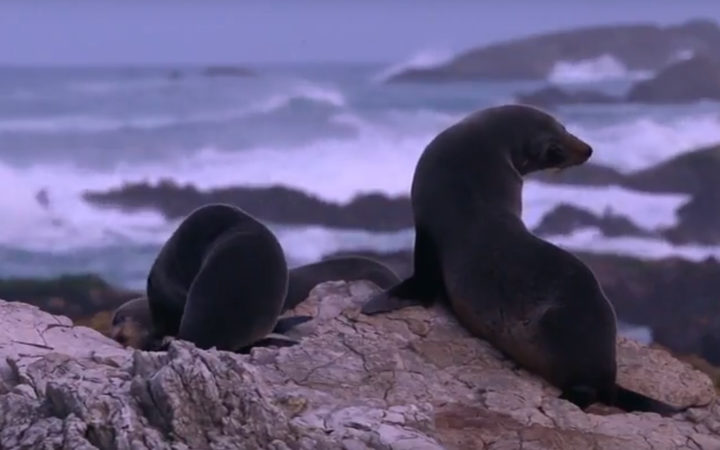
(553, 95)
(692, 172)
(687, 81)
(412, 379)
(76, 296)
(276, 204)
(585, 175)
(698, 220)
(637, 47)
(564, 219)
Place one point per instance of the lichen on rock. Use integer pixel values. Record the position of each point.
(410, 379)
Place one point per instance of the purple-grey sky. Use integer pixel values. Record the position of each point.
(104, 32)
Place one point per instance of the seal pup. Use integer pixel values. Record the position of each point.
(346, 268)
(219, 281)
(534, 301)
(132, 326)
(132, 323)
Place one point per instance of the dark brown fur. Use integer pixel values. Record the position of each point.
(537, 303)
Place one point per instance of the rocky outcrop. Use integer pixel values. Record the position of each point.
(412, 379)
(587, 174)
(277, 204)
(564, 219)
(699, 220)
(75, 296)
(694, 79)
(690, 173)
(678, 299)
(693, 173)
(552, 96)
(637, 47)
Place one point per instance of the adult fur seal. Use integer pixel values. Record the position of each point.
(132, 322)
(537, 303)
(347, 268)
(219, 281)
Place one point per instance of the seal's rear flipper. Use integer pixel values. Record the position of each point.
(633, 401)
(271, 340)
(288, 323)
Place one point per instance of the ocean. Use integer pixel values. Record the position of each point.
(331, 130)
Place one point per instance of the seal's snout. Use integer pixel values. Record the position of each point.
(578, 150)
(119, 337)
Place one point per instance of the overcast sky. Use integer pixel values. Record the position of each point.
(104, 32)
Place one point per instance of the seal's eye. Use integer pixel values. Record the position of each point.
(554, 155)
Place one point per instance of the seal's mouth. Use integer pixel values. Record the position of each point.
(577, 152)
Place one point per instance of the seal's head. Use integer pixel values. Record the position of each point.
(537, 140)
(131, 324)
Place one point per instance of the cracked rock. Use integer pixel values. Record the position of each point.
(410, 379)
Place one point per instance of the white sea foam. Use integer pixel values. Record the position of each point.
(644, 142)
(592, 240)
(424, 59)
(649, 211)
(602, 68)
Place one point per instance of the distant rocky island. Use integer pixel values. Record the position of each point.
(639, 47)
(689, 80)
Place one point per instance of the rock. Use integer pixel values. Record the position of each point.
(276, 204)
(689, 173)
(637, 47)
(412, 379)
(76, 296)
(586, 175)
(564, 219)
(679, 300)
(553, 95)
(699, 220)
(692, 80)
(694, 173)
(228, 71)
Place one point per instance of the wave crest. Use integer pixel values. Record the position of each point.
(424, 59)
(304, 94)
(602, 68)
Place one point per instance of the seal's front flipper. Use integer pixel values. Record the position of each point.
(634, 401)
(401, 296)
(582, 396)
(288, 323)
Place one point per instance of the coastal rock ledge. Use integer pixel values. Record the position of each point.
(412, 379)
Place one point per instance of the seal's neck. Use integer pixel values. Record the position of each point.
(496, 190)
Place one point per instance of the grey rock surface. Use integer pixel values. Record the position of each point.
(411, 379)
